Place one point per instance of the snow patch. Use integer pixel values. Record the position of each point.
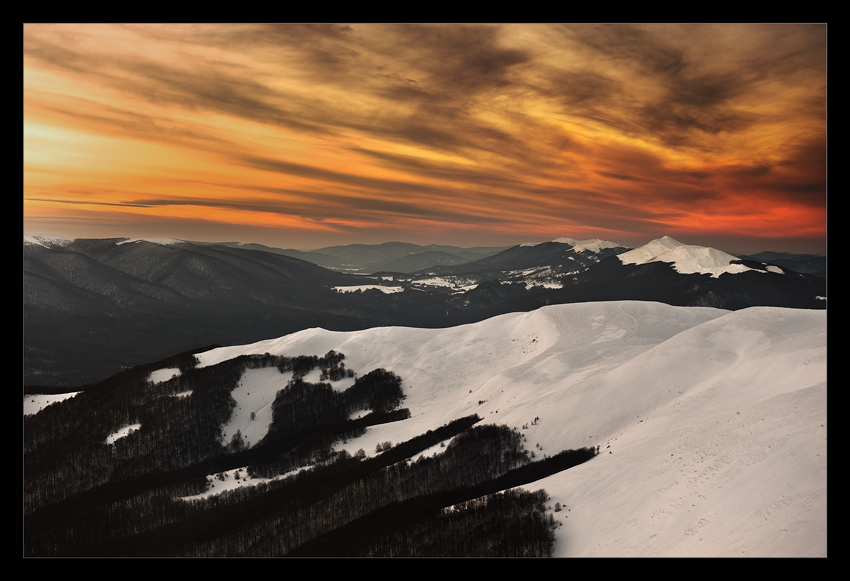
(123, 432)
(254, 395)
(161, 241)
(232, 479)
(594, 245)
(46, 240)
(545, 284)
(161, 375)
(34, 403)
(364, 287)
(459, 284)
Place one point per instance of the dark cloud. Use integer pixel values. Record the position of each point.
(320, 206)
(90, 202)
(699, 175)
(629, 45)
(618, 176)
(805, 188)
(751, 171)
(459, 60)
(674, 60)
(328, 175)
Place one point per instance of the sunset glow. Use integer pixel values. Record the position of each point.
(304, 136)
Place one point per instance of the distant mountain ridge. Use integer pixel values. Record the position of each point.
(805, 263)
(558, 255)
(389, 256)
(92, 306)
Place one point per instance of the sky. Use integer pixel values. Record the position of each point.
(312, 135)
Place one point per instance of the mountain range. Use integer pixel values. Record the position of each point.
(95, 306)
(401, 257)
(806, 263)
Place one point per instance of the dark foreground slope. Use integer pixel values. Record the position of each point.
(85, 496)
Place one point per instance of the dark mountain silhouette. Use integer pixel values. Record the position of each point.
(94, 307)
(803, 263)
(124, 303)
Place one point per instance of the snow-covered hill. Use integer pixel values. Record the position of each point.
(686, 258)
(594, 245)
(46, 240)
(711, 423)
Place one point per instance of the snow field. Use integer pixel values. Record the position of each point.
(34, 403)
(715, 419)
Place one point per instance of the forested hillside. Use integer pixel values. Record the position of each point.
(138, 495)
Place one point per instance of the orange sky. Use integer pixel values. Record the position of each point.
(304, 136)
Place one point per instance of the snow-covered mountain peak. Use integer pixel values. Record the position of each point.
(46, 240)
(162, 241)
(594, 245)
(685, 258)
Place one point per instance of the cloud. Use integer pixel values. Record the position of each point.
(473, 125)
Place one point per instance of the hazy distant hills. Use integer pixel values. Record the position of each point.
(805, 263)
(104, 304)
(93, 307)
(554, 258)
(400, 257)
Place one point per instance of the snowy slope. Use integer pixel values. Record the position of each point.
(162, 241)
(685, 258)
(712, 424)
(594, 245)
(34, 403)
(46, 240)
